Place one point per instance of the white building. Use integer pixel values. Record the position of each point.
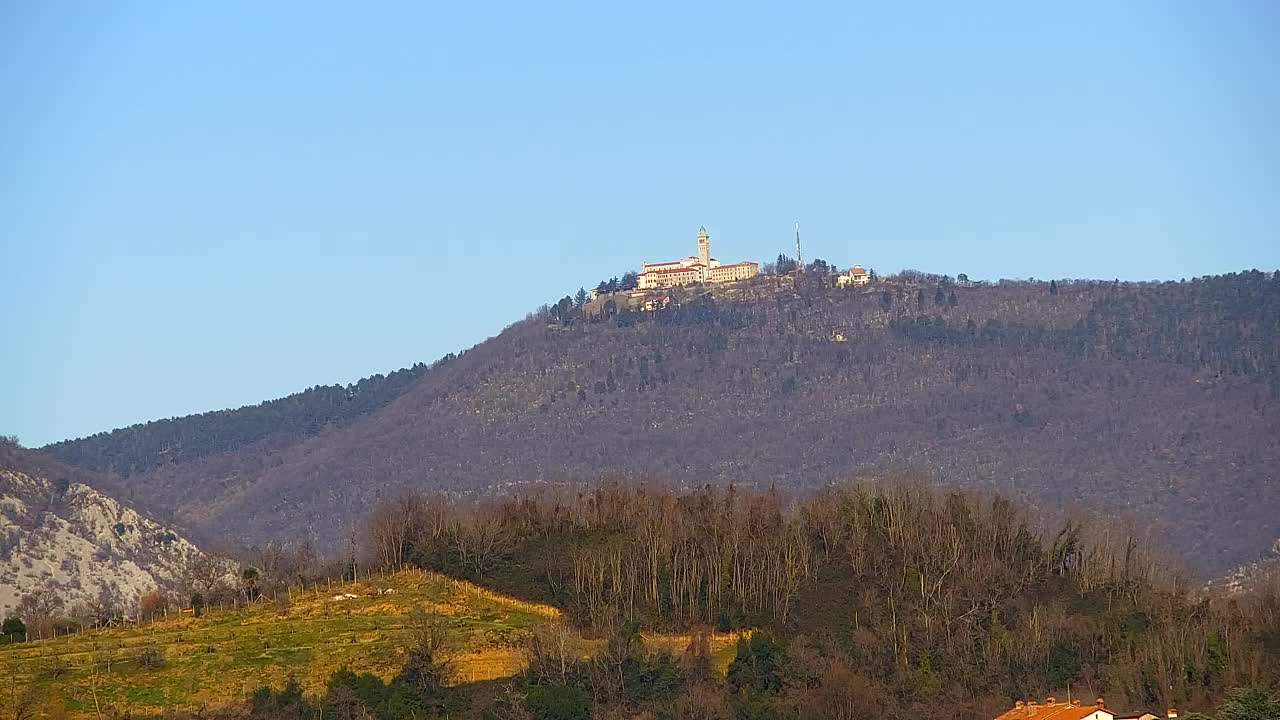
(856, 277)
(700, 268)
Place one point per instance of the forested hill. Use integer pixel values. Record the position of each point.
(1157, 403)
(135, 449)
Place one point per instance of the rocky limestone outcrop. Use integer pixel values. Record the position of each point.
(80, 543)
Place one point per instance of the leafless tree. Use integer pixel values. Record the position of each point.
(480, 541)
(38, 609)
(394, 526)
(204, 573)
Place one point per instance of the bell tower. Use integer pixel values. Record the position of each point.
(704, 247)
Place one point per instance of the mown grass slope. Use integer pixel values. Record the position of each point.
(225, 655)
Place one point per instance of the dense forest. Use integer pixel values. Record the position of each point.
(135, 449)
(1166, 322)
(878, 600)
(1154, 401)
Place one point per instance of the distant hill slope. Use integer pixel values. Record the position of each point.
(59, 534)
(140, 447)
(1155, 402)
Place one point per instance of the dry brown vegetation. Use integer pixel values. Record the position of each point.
(889, 595)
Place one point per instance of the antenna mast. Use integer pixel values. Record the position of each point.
(799, 258)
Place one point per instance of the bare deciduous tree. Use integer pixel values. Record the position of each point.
(38, 610)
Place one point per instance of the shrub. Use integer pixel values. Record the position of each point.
(13, 630)
(148, 657)
(757, 664)
(285, 704)
(54, 667)
(558, 702)
(153, 603)
(1250, 704)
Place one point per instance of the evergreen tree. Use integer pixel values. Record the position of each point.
(564, 309)
(758, 664)
(249, 583)
(1250, 704)
(13, 630)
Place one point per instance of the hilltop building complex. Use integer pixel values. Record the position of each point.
(700, 268)
(856, 277)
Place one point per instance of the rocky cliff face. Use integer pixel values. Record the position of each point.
(69, 538)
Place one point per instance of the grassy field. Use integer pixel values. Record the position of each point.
(224, 656)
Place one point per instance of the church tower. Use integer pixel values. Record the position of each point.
(704, 247)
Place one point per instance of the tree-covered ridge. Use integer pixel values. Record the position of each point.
(1224, 324)
(1229, 323)
(126, 451)
(791, 382)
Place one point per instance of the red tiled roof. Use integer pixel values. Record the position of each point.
(857, 270)
(1052, 711)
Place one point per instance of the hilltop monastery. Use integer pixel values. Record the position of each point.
(700, 268)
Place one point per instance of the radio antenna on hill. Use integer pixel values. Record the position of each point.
(799, 258)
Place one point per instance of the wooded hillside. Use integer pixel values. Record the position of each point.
(138, 448)
(889, 597)
(1153, 402)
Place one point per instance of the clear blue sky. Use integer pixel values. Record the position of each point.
(205, 205)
